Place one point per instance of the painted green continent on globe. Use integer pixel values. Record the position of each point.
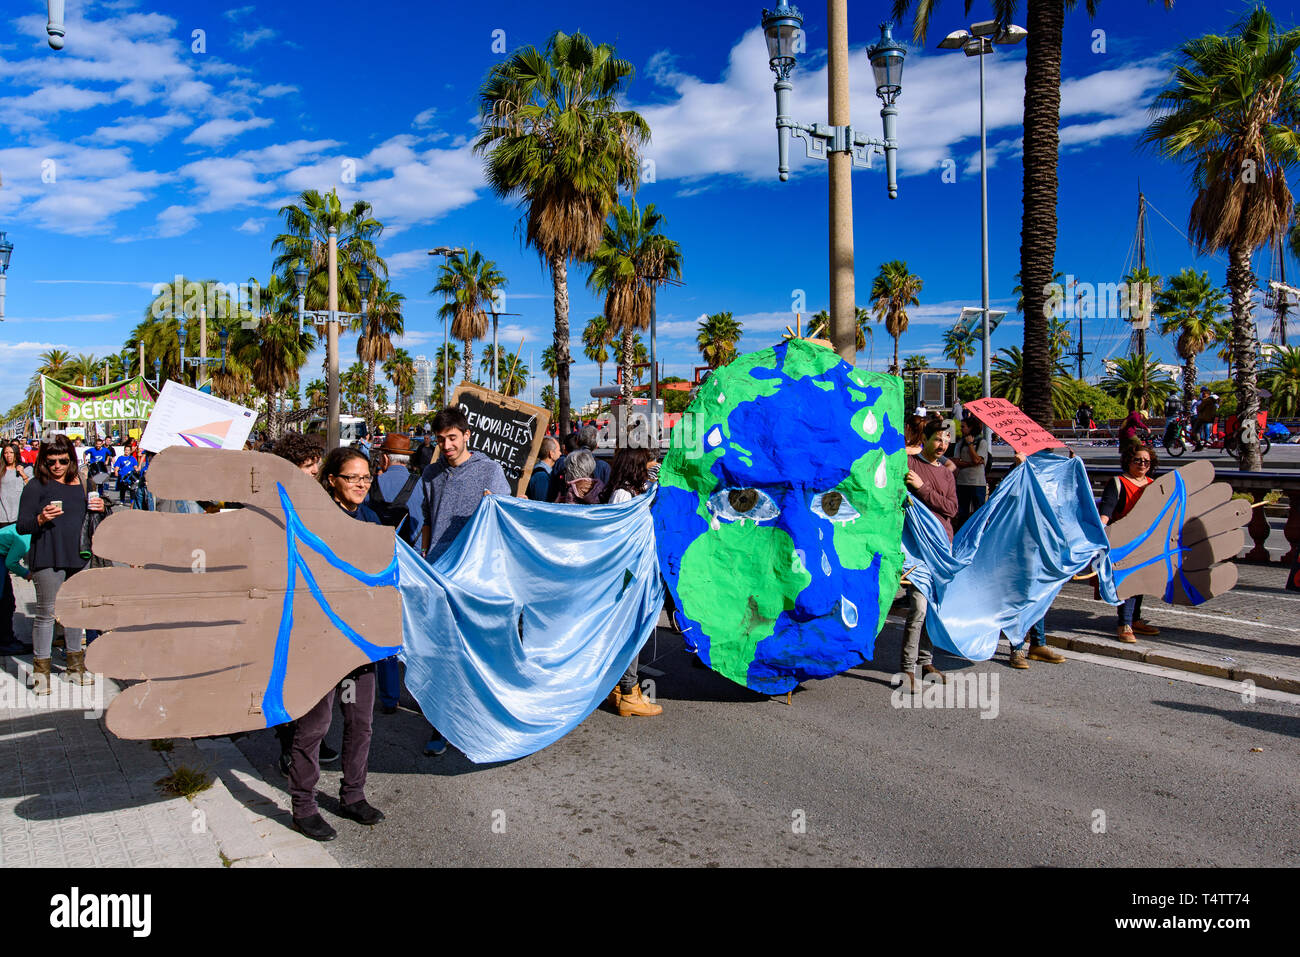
(779, 515)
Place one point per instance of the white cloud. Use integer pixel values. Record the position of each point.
(251, 226)
(216, 132)
(176, 221)
(251, 38)
(140, 129)
(238, 13)
(424, 117)
(277, 89)
(409, 261)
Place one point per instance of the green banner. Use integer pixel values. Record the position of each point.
(128, 399)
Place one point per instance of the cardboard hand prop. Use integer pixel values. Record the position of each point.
(779, 519)
(1177, 541)
(239, 620)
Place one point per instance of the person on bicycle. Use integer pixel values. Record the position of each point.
(1134, 430)
(1207, 411)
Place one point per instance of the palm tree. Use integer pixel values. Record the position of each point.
(306, 241)
(272, 354)
(595, 337)
(548, 398)
(400, 370)
(549, 364)
(1190, 308)
(717, 338)
(916, 361)
(640, 357)
(492, 356)
(1136, 380)
(556, 140)
(1230, 111)
(892, 291)
(632, 261)
(1282, 378)
(958, 345)
(512, 374)
(862, 323)
(1007, 380)
(352, 385)
(316, 394)
(469, 284)
(375, 344)
(444, 366)
(1042, 120)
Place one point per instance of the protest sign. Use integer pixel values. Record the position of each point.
(185, 416)
(1020, 431)
(504, 429)
(117, 401)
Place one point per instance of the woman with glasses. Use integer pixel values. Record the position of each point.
(345, 475)
(1118, 499)
(52, 510)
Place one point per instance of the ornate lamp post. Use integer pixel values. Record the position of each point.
(6, 250)
(837, 142)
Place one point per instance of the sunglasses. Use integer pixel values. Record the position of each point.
(57, 460)
(1141, 461)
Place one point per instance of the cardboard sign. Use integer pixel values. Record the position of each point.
(1020, 431)
(185, 416)
(506, 430)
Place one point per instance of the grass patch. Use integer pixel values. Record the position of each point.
(1270, 498)
(162, 744)
(184, 782)
(225, 861)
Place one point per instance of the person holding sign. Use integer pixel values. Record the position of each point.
(453, 487)
(1117, 500)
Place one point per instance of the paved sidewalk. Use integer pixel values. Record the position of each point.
(74, 795)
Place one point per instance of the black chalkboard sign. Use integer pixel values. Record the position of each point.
(504, 429)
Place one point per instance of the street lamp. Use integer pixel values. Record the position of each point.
(446, 252)
(54, 23)
(157, 373)
(836, 141)
(331, 317)
(6, 250)
(979, 41)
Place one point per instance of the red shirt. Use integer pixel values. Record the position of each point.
(28, 456)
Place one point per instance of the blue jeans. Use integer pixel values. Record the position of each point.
(389, 675)
(1037, 635)
(1131, 609)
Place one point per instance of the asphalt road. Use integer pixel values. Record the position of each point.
(1084, 764)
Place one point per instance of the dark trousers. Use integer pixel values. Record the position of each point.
(7, 606)
(969, 499)
(309, 731)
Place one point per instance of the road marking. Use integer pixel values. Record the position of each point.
(1160, 671)
(1166, 610)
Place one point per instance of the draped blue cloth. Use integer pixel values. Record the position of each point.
(584, 582)
(1006, 565)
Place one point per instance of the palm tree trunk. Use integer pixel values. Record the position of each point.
(560, 278)
(600, 372)
(1189, 381)
(1038, 227)
(625, 387)
(1241, 282)
(469, 359)
(895, 368)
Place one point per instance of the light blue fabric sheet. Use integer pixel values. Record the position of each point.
(1008, 562)
(584, 579)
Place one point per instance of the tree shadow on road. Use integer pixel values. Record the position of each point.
(1286, 724)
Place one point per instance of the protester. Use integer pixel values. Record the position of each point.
(400, 505)
(629, 477)
(423, 456)
(345, 475)
(453, 486)
(932, 484)
(305, 453)
(28, 454)
(13, 551)
(52, 511)
(97, 462)
(124, 467)
(539, 482)
(581, 486)
(1037, 634)
(13, 477)
(1134, 430)
(921, 410)
(958, 411)
(586, 439)
(971, 454)
(1083, 417)
(1117, 500)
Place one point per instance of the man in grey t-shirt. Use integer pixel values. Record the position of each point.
(970, 457)
(453, 487)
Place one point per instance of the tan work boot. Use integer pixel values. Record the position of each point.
(39, 683)
(1018, 660)
(77, 672)
(1144, 628)
(634, 703)
(1045, 653)
(1125, 634)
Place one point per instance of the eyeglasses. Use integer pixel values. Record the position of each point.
(356, 479)
(1141, 461)
(57, 460)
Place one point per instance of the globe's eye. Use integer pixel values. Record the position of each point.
(834, 507)
(742, 505)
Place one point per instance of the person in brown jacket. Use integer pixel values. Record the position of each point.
(932, 484)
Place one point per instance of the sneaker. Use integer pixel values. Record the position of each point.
(361, 812)
(1142, 628)
(388, 709)
(1044, 653)
(436, 745)
(1125, 634)
(1018, 659)
(315, 828)
(327, 754)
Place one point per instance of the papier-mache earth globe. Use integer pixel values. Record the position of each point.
(779, 515)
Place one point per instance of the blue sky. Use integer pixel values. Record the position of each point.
(165, 160)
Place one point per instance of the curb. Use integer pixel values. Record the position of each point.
(1275, 681)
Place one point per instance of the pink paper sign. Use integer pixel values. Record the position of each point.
(1020, 431)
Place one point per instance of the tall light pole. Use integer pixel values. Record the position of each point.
(54, 23)
(446, 252)
(331, 317)
(6, 250)
(839, 143)
(978, 41)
